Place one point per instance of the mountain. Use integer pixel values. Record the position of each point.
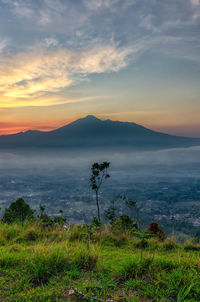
(91, 132)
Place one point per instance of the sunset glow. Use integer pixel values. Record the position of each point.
(125, 60)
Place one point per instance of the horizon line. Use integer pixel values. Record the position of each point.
(50, 129)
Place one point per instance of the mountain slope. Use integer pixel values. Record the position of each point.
(91, 132)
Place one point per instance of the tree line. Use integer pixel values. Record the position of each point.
(19, 210)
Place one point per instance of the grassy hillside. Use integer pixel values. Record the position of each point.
(54, 264)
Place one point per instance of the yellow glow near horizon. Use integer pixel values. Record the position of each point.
(13, 120)
(27, 79)
(37, 79)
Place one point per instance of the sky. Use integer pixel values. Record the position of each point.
(128, 60)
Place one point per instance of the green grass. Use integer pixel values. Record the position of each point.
(38, 264)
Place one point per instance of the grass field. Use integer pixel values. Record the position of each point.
(40, 264)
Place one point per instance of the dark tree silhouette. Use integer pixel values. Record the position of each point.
(154, 228)
(98, 176)
(18, 211)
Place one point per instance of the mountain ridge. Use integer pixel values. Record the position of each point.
(91, 132)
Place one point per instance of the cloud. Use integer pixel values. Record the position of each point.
(60, 15)
(20, 7)
(110, 5)
(69, 25)
(43, 70)
(42, 15)
(48, 42)
(3, 45)
(195, 2)
(99, 4)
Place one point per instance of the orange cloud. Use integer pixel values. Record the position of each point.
(29, 79)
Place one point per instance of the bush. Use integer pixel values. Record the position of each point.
(154, 229)
(110, 239)
(45, 221)
(18, 211)
(79, 233)
(96, 223)
(59, 220)
(75, 233)
(169, 245)
(124, 223)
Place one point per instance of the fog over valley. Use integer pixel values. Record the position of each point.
(165, 183)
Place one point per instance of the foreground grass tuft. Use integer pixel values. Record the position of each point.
(52, 264)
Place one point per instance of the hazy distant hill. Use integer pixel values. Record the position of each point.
(91, 132)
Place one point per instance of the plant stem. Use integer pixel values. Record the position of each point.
(98, 210)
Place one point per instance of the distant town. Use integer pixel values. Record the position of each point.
(174, 202)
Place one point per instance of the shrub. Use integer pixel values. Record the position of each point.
(75, 233)
(79, 233)
(96, 223)
(18, 211)
(110, 239)
(144, 236)
(169, 245)
(45, 221)
(154, 228)
(57, 220)
(124, 223)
